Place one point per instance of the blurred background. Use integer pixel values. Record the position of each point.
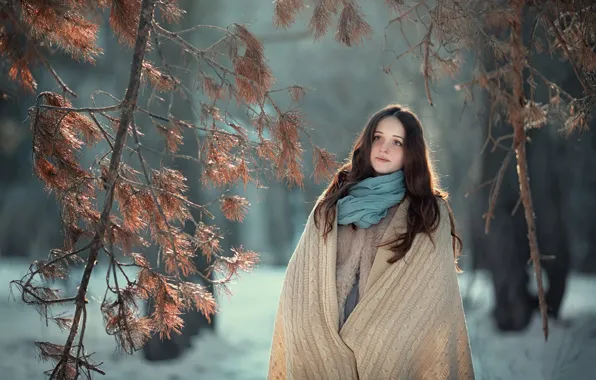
(345, 86)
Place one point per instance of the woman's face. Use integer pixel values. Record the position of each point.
(387, 152)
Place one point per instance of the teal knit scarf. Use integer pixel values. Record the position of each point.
(367, 201)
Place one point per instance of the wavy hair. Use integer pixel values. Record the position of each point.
(421, 185)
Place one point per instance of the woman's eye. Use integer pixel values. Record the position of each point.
(397, 142)
(375, 138)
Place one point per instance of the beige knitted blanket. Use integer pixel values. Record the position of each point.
(409, 324)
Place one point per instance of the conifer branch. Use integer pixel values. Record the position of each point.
(128, 105)
(15, 21)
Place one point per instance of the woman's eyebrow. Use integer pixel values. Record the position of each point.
(392, 135)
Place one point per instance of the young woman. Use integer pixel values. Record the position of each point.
(371, 291)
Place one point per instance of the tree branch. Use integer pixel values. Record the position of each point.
(128, 106)
(517, 60)
(84, 109)
(567, 52)
(38, 53)
(426, 65)
(494, 192)
(155, 198)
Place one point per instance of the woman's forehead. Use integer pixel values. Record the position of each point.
(390, 125)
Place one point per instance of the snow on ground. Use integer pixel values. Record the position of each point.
(239, 349)
(569, 353)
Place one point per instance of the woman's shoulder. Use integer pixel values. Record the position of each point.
(443, 204)
(444, 212)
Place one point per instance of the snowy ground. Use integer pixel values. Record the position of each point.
(239, 349)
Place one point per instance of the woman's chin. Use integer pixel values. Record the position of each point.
(382, 171)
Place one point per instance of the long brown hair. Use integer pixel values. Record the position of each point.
(421, 185)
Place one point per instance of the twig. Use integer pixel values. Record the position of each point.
(155, 199)
(46, 301)
(202, 26)
(199, 53)
(103, 131)
(404, 15)
(26, 287)
(65, 256)
(150, 187)
(479, 187)
(84, 109)
(552, 84)
(426, 65)
(517, 204)
(190, 125)
(494, 193)
(411, 49)
(497, 142)
(492, 75)
(49, 67)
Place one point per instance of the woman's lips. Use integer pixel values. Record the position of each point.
(381, 159)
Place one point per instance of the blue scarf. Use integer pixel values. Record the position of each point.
(367, 201)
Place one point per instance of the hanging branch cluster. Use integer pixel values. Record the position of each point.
(494, 30)
(121, 205)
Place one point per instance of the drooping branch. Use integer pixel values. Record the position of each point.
(22, 29)
(128, 105)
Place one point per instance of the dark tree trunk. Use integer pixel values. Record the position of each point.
(586, 210)
(505, 252)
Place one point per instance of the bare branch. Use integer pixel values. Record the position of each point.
(494, 193)
(426, 66)
(517, 62)
(84, 109)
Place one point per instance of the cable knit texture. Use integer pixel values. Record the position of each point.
(409, 324)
